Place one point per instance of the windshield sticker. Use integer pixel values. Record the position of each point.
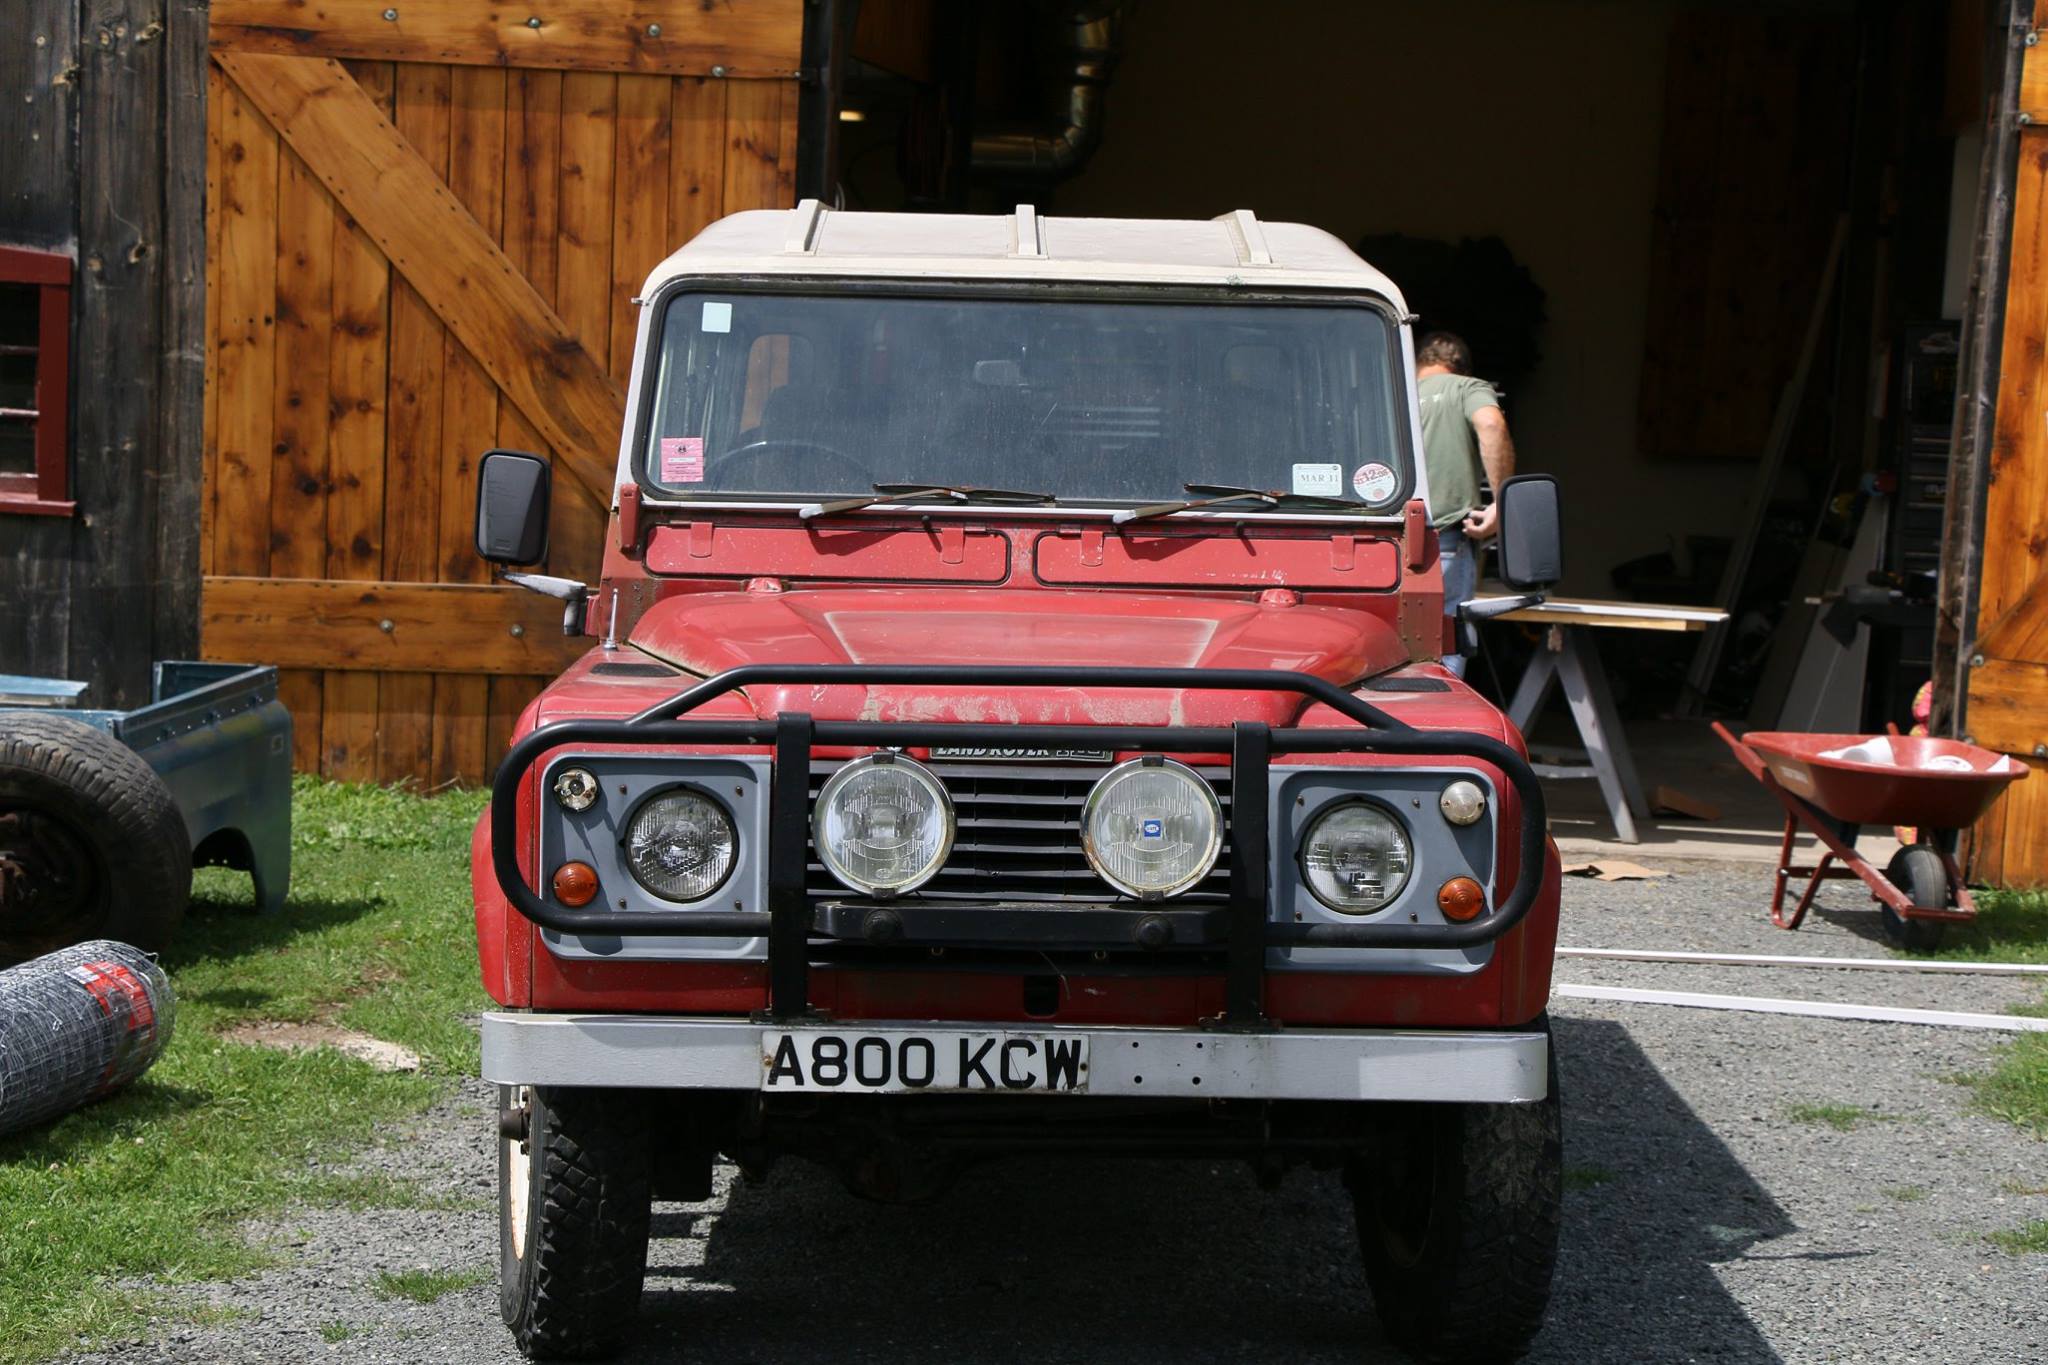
(682, 459)
(1319, 480)
(717, 316)
(1374, 482)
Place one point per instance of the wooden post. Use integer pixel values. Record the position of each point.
(2004, 645)
(174, 632)
(117, 446)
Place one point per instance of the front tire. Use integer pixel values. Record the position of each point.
(1459, 1207)
(573, 1205)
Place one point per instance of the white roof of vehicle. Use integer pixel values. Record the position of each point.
(1234, 249)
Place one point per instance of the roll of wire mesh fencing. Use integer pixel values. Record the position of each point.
(78, 1024)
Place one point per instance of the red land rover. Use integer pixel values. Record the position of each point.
(1013, 723)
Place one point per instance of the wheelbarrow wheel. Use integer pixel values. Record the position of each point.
(1920, 872)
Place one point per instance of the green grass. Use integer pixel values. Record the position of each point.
(1906, 1194)
(1586, 1177)
(154, 1181)
(2011, 926)
(2016, 1087)
(334, 1333)
(2019, 1241)
(1840, 1117)
(425, 1286)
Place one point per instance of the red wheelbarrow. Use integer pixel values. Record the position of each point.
(1830, 785)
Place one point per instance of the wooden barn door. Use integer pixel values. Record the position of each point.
(2008, 674)
(426, 226)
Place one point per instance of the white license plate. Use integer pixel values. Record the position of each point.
(906, 1063)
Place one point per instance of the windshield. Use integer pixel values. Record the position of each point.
(1109, 400)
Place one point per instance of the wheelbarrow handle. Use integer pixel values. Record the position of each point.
(1744, 755)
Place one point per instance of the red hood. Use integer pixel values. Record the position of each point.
(709, 633)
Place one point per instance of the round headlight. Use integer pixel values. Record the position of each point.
(1152, 828)
(681, 845)
(884, 825)
(1356, 857)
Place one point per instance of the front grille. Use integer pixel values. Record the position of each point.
(1019, 837)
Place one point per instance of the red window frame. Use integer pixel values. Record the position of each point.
(46, 492)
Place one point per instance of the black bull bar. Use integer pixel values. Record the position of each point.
(788, 921)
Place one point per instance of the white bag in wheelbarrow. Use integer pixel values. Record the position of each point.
(1877, 750)
(76, 1025)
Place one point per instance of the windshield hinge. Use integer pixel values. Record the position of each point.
(629, 520)
(1091, 547)
(702, 537)
(1343, 552)
(952, 542)
(1415, 533)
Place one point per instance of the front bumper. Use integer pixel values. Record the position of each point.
(665, 1053)
(790, 921)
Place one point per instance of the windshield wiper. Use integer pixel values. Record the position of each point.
(911, 492)
(1225, 493)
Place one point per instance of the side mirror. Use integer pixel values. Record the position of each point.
(512, 491)
(1531, 543)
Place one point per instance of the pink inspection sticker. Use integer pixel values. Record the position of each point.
(1374, 482)
(682, 459)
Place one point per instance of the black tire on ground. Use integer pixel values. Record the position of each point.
(572, 1243)
(91, 843)
(1459, 1207)
(1919, 871)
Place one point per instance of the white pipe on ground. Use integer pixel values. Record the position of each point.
(1813, 1009)
(1868, 964)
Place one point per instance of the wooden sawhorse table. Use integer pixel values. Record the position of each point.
(1570, 657)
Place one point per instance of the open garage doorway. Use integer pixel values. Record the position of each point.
(1714, 255)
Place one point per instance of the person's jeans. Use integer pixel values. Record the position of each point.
(1461, 581)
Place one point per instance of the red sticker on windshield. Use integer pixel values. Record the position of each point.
(1374, 482)
(682, 459)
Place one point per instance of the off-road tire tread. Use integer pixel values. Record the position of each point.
(104, 790)
(587, 1250)
(1481, 1295)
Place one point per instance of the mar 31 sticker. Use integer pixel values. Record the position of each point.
(1374, 482)
(682, 459)
(1319, 480)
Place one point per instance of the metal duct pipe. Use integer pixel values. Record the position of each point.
(1091, 36)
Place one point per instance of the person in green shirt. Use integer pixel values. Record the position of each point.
(1464, 437)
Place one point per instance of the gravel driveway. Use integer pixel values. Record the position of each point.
(1704, 1223)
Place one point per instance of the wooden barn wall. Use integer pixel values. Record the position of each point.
(425, 237)
(102, 159)
(2006, 705)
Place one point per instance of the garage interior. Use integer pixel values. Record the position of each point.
(1667, 227)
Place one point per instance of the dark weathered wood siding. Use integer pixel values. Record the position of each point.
(107, 161)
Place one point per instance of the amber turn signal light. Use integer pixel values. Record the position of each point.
(575, 883)
(1460, 899)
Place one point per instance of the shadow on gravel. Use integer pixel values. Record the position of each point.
(1092, 1260)
(1863, 921)
(1636, 1280)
